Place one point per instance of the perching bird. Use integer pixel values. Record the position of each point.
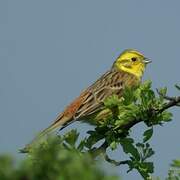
(127, 71)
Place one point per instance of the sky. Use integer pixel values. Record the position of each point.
(51, 50)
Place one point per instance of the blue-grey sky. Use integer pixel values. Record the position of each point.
(51, 50)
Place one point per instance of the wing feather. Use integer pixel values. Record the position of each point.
(112, 82)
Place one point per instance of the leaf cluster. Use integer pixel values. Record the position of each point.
(140, 104)
(53, 160)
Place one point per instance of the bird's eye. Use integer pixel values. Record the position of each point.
(134, 59)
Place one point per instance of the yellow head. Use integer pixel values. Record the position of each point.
(132, 61)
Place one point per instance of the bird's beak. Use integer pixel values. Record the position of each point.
(147, 60)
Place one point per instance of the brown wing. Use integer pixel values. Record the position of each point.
(112, 82)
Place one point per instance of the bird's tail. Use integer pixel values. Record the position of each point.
(60, 121)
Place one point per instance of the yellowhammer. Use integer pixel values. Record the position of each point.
(126, 71)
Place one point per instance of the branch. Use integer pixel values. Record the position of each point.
(164, 96)
(172, 101)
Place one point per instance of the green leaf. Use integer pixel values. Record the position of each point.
(71, 137)
(166, 116)
(176, 163)
(128, 147)
(113, 145)
(112, 101)
(148, 152)
(145, 169)
(147, 135)
(81, 145)
(146, 85)
(129, 95)
(163, 91)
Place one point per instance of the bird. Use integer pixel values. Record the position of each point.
(126, 71)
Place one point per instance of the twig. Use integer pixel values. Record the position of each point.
(112, 161)
(175, 101)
